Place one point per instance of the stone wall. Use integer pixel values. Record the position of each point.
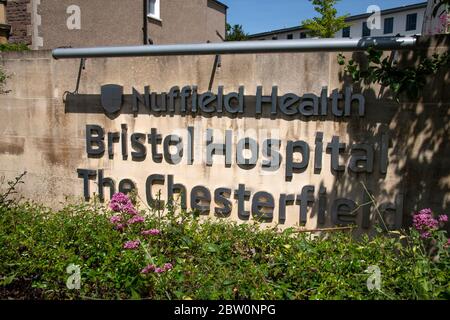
(46, 135)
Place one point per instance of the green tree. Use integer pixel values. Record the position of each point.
(235, 33)
(328, 23)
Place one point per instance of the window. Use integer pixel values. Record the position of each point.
(153, 9)
(290, 36)
(302, 35)
(388, 25)
(365, 30)
(346, 32)
(275, 38)
(411, 21)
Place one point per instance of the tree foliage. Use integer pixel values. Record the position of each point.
(235, 33)
(328, 23)
(408, 79)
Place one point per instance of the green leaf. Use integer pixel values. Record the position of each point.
(212, 247)
(135, 295)
(228, 282)
(8, 280)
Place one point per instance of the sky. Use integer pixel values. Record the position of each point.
(265, 15)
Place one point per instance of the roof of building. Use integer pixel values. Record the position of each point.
(220, 3)
(351, 18)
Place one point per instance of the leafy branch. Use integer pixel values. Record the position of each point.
(327, 23)
(3, 77)
(12, 186)
(235, 33)
(399, 79)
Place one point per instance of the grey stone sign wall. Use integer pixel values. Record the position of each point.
(282, 138)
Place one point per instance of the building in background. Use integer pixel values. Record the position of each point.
(5, 28)
(47, 24)
(404, 21)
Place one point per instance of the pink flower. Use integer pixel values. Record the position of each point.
(122, 203)
(136, 219)
(114, 206)
(152, 232)
(424, 222)
(155, 269)
(115, 219)
(120, 227)
(129, 208)
(120, 198)
(149, 268)
(168, 266)
(426, 211)
(443, 218)
(425, 235)
(131, 244)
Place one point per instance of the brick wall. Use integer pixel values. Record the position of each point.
(19, 17)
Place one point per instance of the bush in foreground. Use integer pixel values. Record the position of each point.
(127, 253)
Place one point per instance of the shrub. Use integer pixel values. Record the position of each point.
(177, 255)
(5, 47)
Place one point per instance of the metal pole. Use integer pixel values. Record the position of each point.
(239, 47)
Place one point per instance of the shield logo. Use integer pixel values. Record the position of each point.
(111, 97)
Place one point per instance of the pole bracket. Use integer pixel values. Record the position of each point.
(80, 70)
